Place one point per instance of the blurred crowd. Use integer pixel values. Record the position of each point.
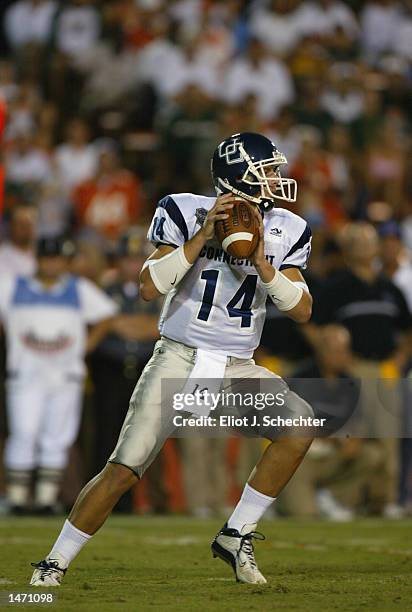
(112, 104)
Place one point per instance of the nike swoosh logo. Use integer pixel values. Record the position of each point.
(174, 280)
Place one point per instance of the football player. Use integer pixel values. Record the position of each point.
(212, 318)
(46, 318)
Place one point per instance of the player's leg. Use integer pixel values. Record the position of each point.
(143, 434)
(60, 426)
(283, 455)
(25, 403)
(277, 465)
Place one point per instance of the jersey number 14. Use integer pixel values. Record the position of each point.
(245, 293)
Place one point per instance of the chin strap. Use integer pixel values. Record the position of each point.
(227, 187)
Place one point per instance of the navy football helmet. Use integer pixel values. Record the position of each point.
(247, 165)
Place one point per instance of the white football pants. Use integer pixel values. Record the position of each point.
(43, 421)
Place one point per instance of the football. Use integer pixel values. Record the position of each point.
(239, 233)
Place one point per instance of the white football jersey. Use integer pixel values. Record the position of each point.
(220, 304)
(46, 329)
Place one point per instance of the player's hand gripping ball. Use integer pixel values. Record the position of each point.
(239, 234)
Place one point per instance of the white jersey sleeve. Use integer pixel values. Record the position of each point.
(95, 305)
(299, 251)
(168, 226)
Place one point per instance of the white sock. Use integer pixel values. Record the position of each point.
(47, 486)
(18, 487)
(46, 493)
(70, 542)
(18, 494)
(250, 508)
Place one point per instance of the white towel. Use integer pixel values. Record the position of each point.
(204, 382)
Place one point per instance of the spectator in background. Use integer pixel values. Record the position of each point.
(340, 46)
(137, 22)
(332, 478)
(343, 99)
(320, 19)
(226, 32)
(90, 259)
(242, 117)
(118, 361)
(396, 259)
(286, 22)
(186, 13)
(276, 26)
(308, 61)
(359, 297)
(112, 200)
(283, 345)
(366, 127)
(336, 15)
(53, 206)
(47, 125)
(342, 160)
(319, 202)
(75, 34)
(380, 21)
(397, 92)
(286, 134)
(76, 28)
(8, 85)
(326, 380)
(22, 110)
(402, 45)
(17, 252)
(45, 318)
(76, 158)
(255, 73)
(26, 164)
(185, 66)
(159, 57)
(29, 22)
(188, 135)
(308, 108)
(375, 312)
(205, 474)
(386, 164)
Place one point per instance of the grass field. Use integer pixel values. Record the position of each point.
(164, 564)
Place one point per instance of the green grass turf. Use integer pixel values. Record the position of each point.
(159, 564)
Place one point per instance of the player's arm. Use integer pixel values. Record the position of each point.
(287, 289)
(303, 309)
(166, 267)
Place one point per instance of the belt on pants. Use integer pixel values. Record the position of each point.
(191, 352)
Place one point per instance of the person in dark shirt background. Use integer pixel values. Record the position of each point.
(326, 382)
(285, 345)
(334, 477)
(376, 314)
(367, 303)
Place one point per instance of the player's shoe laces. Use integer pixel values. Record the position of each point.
(49, 572)
(236, 548)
